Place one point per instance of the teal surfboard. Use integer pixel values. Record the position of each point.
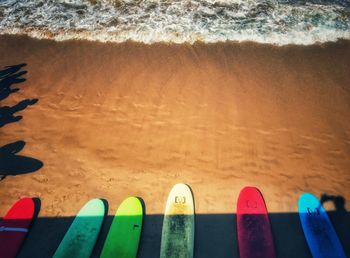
(319, 232)
(124, 234)
(81, 237)
(178, 224)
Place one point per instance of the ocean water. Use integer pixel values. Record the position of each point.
(278, 22)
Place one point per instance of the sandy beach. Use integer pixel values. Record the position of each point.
(114, 120)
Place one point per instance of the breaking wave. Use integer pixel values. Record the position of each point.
(278, 22)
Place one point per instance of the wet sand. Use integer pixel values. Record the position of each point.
(114, 120)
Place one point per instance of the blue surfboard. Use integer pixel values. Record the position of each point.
(319, 232)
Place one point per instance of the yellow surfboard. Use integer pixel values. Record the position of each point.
(178, 224)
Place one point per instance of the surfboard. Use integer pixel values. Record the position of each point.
(320, 235)
(254, 235)
(124, 234)
(15, 226)
(178, 224)
(80, 239)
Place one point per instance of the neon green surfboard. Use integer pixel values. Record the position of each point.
(81, 237)
(124, 235)
(178, 224)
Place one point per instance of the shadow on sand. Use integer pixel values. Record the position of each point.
(10, 162)
(215, 235)
(9, 76)
(13, 164)
(7, 114)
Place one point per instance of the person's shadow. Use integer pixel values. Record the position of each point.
(338, 201)
(9, 70)
(10, 162)
(8, 77)
(13, 164)
(7, 114)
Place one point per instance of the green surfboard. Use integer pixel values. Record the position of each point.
(178, 224)
(80, 239)
(124, 234)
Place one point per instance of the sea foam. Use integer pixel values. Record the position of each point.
(266, 21)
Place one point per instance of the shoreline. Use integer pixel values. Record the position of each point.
(339, 41)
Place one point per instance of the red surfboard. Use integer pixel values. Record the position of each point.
(254, 233)
(14, 227)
